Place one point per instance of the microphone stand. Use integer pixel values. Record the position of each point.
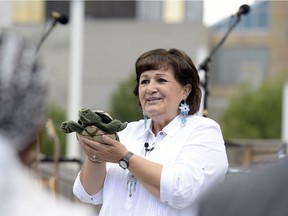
(46, 35)
(205, 66)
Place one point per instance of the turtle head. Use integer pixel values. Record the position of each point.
(86, 116)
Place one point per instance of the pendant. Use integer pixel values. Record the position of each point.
(131, 184)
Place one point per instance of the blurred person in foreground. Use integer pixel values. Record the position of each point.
(262, 192)
(22, 101)
(164, 161)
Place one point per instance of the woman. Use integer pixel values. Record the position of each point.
(161, 164)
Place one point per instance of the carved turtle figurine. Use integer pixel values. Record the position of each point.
(92, 124)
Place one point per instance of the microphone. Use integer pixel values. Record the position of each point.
(58, 17)
(146, 145)
(243, 10)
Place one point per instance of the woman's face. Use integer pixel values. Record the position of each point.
(160, 94)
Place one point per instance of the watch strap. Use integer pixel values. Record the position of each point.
(128, 156)
(125, 160)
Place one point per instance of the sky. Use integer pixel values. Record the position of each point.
(215, 10)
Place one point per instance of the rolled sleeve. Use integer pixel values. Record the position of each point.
(179, 191)
(83, 196)
(166, 188)
(199, 163)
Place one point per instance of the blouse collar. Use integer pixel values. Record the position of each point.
(170, 129)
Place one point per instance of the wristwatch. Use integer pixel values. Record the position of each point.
(124, 162)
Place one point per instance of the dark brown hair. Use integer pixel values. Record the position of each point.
(183, 67)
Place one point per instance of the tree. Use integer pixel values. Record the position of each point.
(124, 104)
(254, 113)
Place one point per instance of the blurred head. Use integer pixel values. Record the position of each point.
(22, 90)
(163, 75)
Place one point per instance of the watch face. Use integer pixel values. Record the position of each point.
(123, 164)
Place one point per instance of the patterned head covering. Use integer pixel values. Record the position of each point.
(22, 89)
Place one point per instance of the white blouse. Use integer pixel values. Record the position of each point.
(192, 156)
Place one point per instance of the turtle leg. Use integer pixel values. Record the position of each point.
(71, 126)
(122, 126)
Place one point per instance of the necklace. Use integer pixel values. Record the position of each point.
(131, 180)
(131, 184)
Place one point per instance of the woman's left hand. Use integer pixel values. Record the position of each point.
(109, 151)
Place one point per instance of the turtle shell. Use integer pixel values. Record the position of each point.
(93, 133)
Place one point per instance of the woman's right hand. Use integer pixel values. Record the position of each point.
(89, 148)
(110, 151)
(93, 168)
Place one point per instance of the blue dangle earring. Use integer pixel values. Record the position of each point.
(184, 111)
(145, 119)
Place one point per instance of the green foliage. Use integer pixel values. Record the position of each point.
(57, 115)
(254, 113)
(124, 104)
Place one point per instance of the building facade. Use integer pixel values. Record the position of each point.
(117, 32)
(256, 50)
